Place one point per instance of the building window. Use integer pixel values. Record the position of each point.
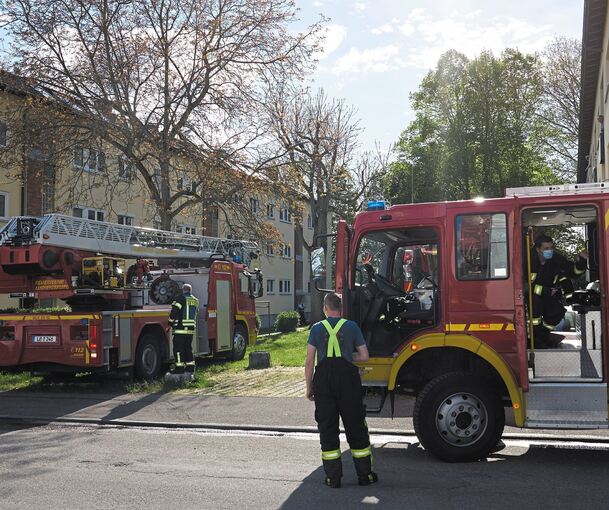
(125, 219)
(309, 221)
(186, 229)
(254, 205)
(3, 134)
(284, 215)
(270, 286)
(185, 183)
(3, 204)
(125, 169)
(88, 213)
(285, 286)
(286, 251)
(270, 251)
(89, 160)
(270, 211)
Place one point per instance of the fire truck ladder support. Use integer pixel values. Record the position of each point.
(559, 189)
(122, 240)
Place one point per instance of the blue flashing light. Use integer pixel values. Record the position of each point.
(375, 205)
(1, 323)
(84, 322)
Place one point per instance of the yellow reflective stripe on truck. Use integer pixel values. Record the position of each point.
(480, 326)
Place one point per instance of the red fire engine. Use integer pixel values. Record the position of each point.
(119, 313)
(461, 340)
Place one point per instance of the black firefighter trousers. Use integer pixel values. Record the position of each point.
(337, 388)
(182, 352)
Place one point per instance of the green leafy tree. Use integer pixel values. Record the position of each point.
(476, 130)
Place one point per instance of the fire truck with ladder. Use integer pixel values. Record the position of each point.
(119, 312)
(456, 331)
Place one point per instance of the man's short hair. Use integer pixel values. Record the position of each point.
(332, 302)
(186, 288)
(539, 240)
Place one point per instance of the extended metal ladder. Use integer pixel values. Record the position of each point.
(120, 240)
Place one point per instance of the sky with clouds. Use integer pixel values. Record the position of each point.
(377, 51)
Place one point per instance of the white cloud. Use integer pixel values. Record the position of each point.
(378, 60)
(387, 28)
(317, 3)
(334, 36)
(407, 28)
(360, 6)
(467, 32)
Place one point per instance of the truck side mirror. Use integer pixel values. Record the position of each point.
(318, 264)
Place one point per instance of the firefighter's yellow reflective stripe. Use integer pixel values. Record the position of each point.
(480, 326)
(183, 331)
(568, 296)
(359, 454)
(578, 271)
(177, 305)
(469, 343)
(536, 321)
(548, 326)
(538, 290)
(330, 454)
(333, 344)
(190, 363)
(180, 364)
(533, 276)
(562, 278)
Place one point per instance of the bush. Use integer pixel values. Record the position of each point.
(286, 322)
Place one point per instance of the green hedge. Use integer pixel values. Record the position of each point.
(286, 322)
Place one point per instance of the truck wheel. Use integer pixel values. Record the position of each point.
(148, 361)
(459, 417)
(239, 343)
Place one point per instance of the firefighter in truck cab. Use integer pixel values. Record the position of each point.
(183, 322)
(551, 274)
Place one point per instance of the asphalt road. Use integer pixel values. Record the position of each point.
(74, 467)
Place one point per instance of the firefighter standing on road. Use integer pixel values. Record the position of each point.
(183, 321)
(336, 389)
(551, 274)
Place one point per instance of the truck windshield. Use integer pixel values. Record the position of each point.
(403, 257)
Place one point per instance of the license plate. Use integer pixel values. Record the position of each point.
(44, 339)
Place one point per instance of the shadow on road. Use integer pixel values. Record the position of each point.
(533, 477)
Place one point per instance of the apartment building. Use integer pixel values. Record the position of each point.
(594, 98)
(92, 181)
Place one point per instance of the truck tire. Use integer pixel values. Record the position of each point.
(148, 361)
(239, 343)
(459, 417)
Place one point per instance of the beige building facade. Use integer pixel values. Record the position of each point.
(592, 165)
(98, 184)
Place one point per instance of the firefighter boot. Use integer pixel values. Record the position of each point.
(363, 468)
(334, 472)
